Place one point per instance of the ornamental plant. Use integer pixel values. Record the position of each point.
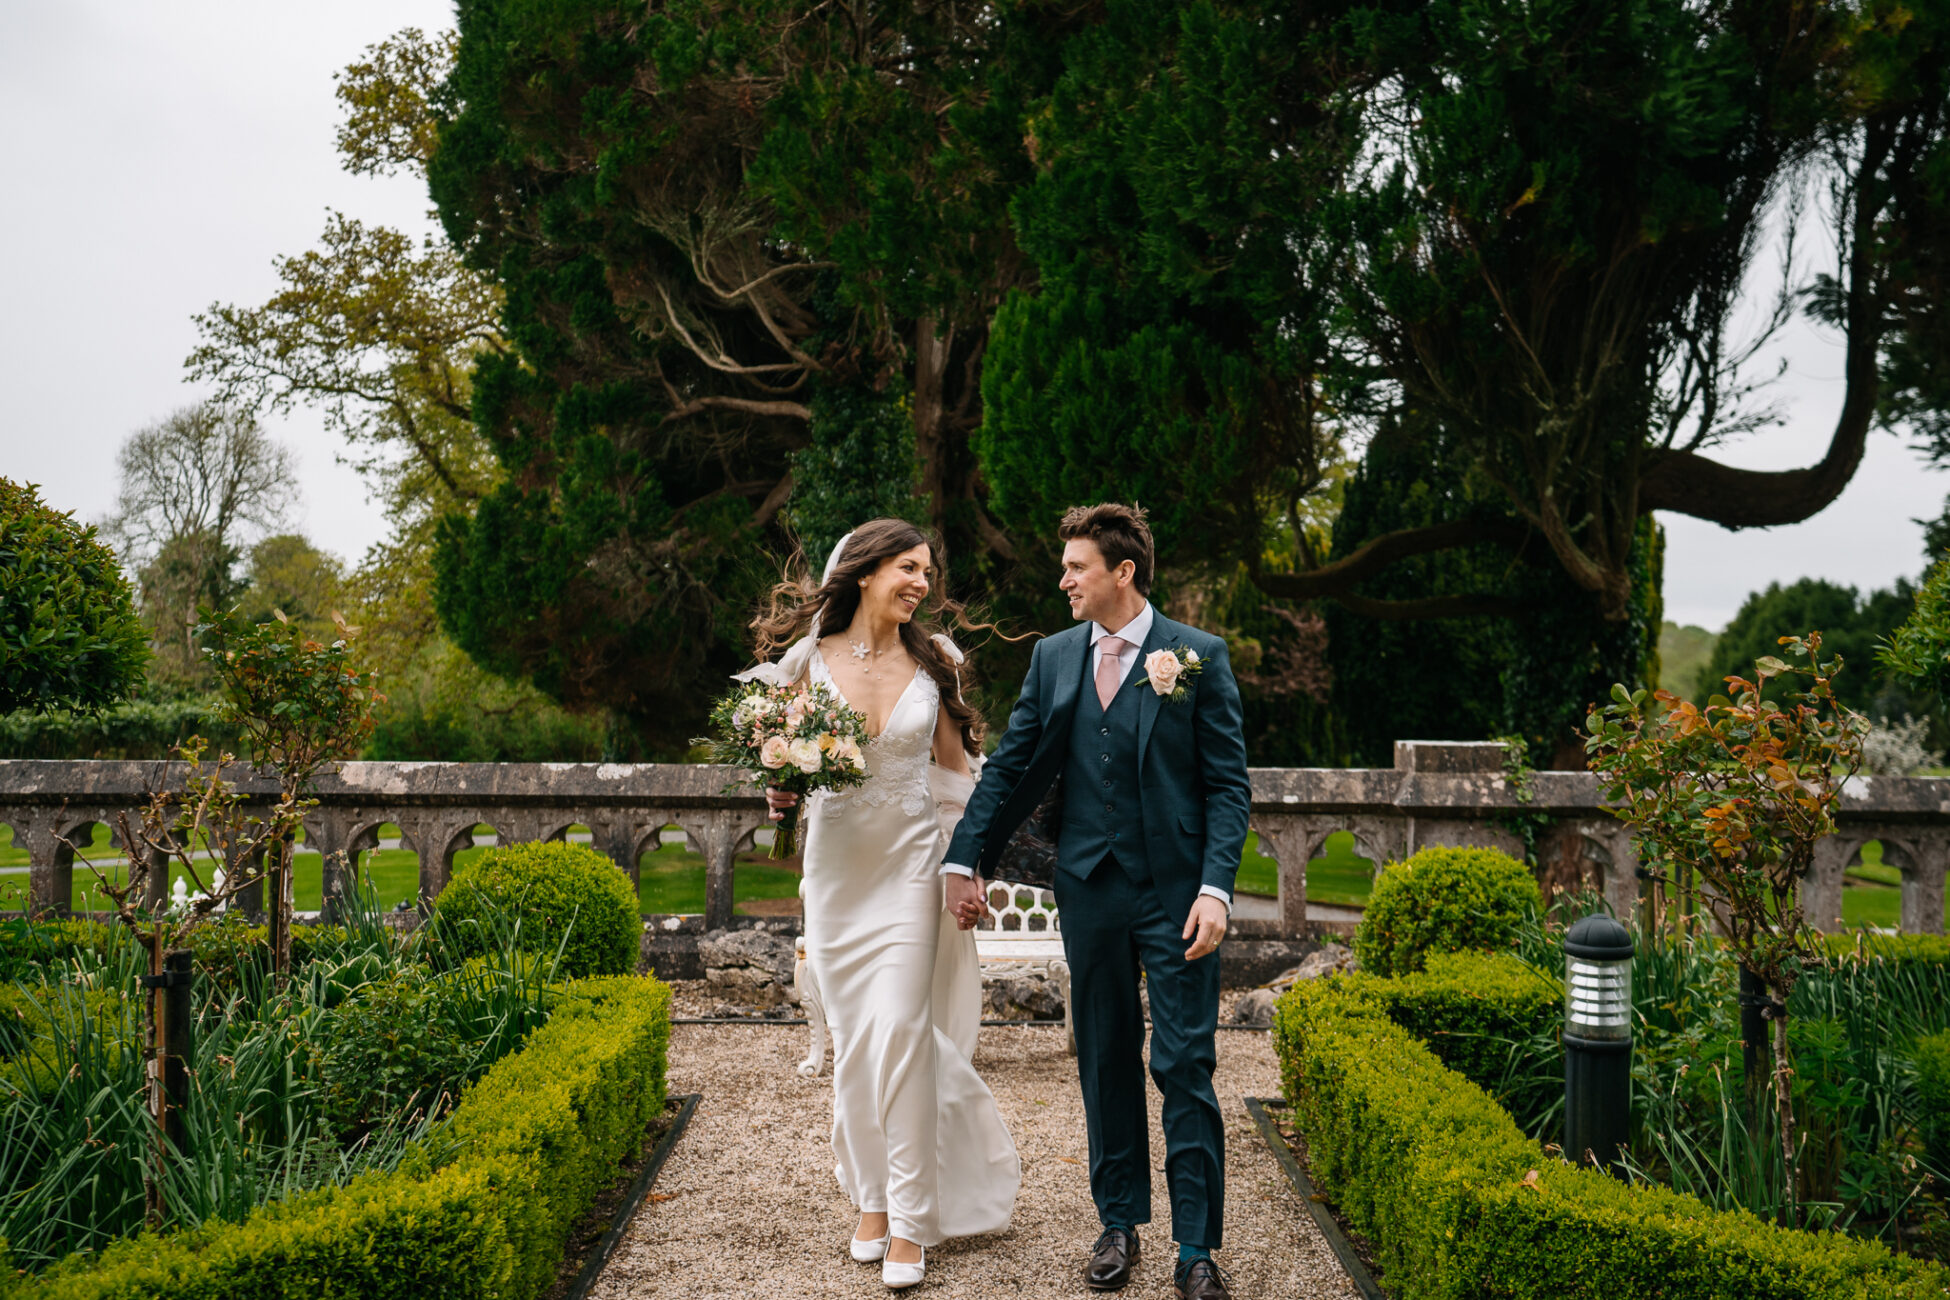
(1443, 900)
(557, 900)
(1736, 795)
(299, 705)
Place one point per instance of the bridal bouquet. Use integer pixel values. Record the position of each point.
(797, 738)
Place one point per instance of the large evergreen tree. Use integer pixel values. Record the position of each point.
(749, 254)
(1531, 224)
(770, 267)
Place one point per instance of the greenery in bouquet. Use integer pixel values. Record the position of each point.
(794, 738)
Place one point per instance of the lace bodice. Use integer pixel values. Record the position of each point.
(897, 759)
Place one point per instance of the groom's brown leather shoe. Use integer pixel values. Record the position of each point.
(1112, 1260)
(1201, 1280)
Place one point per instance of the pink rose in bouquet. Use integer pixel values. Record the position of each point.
(798, 738)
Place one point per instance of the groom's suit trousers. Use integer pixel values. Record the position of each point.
(1113, 927)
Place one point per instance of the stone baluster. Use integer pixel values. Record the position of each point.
(432, 836)
(50, 864)
(715, 836)
(328, 835)
(155, 889)
(1821, 890)
(250, 899)
(1286, 840)
(1923, 878)
(1611, 847)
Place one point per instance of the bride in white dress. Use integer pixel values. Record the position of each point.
(921, 1149)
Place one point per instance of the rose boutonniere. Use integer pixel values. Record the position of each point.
(1169, 669)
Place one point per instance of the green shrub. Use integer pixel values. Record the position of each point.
(553, 892)
(1932, 1058)
(25, 1013)
(69, 633)
(220, 950)
(390, 1045)
(482, 1212)
(1458, 1203)
(26, 943)
(1468, 1007)
(1443, 900)
(137, 729)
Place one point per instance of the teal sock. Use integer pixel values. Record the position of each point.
(1186, 1254)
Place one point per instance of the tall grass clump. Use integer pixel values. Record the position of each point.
(354, 1063)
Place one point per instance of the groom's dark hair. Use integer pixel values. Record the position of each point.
(1120, 533)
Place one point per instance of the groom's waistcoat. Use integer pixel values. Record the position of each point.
(1101, 809)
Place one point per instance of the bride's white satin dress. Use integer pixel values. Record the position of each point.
(915, 1130)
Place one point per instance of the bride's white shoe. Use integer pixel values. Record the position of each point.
(899, 1276)
(869, 1251)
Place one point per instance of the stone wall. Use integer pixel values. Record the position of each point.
(1437, 793)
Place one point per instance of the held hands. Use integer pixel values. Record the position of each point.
(780, 800)
(966, 899)
(1208, 922)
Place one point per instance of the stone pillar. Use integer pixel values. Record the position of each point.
(1821, 890)
(155, 891)
(50, 865)
(615, 837)
(720, 847)
(327, 834)
(433, 837)
(1286, 839)
(250, 899)
(1923, 885)
(1611, 846)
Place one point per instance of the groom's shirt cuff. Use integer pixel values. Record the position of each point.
(1212, 891)
(956, 869)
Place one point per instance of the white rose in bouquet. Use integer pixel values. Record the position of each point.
(804, 755)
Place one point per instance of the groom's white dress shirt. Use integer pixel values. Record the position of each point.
(1132, 634)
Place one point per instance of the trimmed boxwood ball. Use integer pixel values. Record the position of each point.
(1443, 900)
(552, 889)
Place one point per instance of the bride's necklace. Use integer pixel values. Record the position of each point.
(862, 652)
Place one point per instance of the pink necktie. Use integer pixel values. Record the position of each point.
(1109, 671)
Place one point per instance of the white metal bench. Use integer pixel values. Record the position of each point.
(1023, 934)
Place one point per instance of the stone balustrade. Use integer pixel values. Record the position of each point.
(1438, 793)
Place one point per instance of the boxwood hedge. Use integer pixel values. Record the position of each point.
(1459, 1203)
(483, 1213)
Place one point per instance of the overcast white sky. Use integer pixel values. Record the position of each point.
(161, 155)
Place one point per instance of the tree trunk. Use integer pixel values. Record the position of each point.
(1784, 1112)
(280, 908)
(932, 349)
(1753, 1039)
(152, 1180)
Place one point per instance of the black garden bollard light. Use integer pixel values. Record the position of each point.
(1597, 1041)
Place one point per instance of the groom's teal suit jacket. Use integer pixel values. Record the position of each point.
(1195, 795)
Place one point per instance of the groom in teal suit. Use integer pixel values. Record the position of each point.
(1138, 718)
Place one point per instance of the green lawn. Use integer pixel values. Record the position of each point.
(1338, 875)
(672, 878)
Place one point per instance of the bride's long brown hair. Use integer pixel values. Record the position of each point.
(789, 611)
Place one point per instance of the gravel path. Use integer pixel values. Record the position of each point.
(747, 1205)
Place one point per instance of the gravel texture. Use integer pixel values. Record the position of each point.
(747, 1205)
